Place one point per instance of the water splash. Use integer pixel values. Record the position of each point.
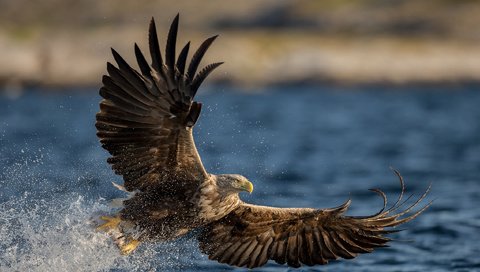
(57, 234)
(47, 223)
(51, 234)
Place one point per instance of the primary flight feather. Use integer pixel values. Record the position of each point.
(145, 122)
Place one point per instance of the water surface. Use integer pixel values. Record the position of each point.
(302, 147)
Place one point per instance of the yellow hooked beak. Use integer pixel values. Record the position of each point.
(248, 186)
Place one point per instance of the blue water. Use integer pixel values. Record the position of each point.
(303, 147)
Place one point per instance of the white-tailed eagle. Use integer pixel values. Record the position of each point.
(145, 122)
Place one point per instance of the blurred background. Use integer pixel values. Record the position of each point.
(263, 42)
(315, 102)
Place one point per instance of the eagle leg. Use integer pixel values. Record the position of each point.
(111, 223)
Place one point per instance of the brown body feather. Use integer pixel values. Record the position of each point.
(146, 120)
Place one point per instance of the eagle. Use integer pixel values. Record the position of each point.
(145, 122)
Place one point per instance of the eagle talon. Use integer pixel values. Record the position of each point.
(127, 248)
(110, 224)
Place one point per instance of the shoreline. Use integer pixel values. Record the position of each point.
(262, 43)
(14, 91)
(252, 59)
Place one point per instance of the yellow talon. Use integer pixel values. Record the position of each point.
(126, 249)
(111, 223)
(111, 226)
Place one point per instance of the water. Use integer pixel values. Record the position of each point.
(304, 147)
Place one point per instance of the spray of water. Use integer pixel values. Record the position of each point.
(44, 228)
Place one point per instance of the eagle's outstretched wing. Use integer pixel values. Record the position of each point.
(251, 235)
(146, 119)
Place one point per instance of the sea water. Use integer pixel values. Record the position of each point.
(300, 146)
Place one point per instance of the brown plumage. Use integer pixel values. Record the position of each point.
(145, 122)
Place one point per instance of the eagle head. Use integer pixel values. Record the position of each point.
(232, 183)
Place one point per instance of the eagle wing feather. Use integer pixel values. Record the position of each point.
(146, 119)
(251, 235)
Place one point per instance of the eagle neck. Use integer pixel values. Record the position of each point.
(213, 203)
